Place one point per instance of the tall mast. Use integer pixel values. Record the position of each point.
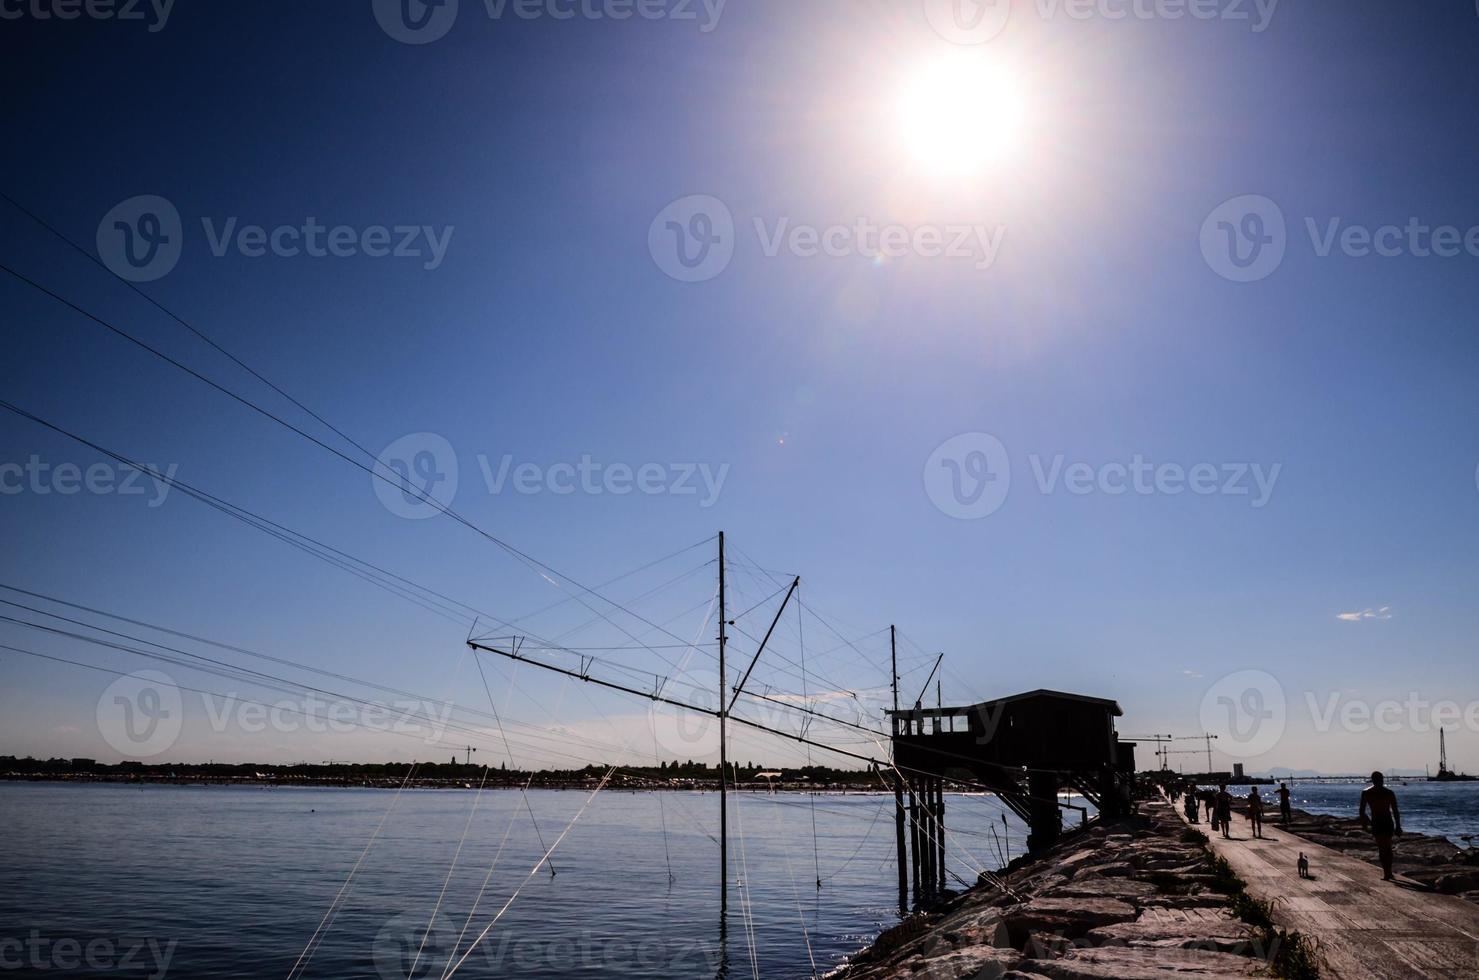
(723, 752)
(893, 657)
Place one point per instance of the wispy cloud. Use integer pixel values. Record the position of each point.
(1190, 673)
(1385, 612)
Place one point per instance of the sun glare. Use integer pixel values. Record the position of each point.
(959, 114)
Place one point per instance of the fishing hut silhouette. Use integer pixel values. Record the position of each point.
(1025, 749)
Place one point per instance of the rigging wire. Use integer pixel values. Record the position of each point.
(545, 570)
(327, 922)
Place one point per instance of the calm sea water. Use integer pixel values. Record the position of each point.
(1444, 809)
(1441, 809)
(232, 882)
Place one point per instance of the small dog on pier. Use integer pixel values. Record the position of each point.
(1304, 865)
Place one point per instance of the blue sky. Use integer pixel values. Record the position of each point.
(819, 386)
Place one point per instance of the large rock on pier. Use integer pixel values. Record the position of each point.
(1121, 963)
(1128, 900)
(1064, 918)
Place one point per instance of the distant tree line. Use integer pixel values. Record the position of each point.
(452, 772)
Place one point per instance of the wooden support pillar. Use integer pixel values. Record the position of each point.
(914, 848)
(1046, 821)
(940, 829)
(931, 833)
(902, 849)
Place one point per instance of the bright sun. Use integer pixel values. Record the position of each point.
(959, 114)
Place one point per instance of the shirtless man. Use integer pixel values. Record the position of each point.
(1385, 820)
(1284, 813)
(1255, 812)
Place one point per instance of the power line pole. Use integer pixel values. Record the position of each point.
(723, 753)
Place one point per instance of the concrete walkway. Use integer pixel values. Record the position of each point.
(1366, 928)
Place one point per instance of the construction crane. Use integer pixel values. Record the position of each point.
(1199, 738)
(1160, 748)
(1192, 738)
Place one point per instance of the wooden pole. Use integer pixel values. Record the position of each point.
(930, 822)
(723, 749)
(940, 829)
(914, 849)
(901, 848)
(893, 657)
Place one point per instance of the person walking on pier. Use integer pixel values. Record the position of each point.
(1255, 812)
(1224, 810)
(1285, 816)
(1384, 821)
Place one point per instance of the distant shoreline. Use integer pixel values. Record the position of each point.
(435, 784)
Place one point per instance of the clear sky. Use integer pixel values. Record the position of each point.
(1193, 446)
